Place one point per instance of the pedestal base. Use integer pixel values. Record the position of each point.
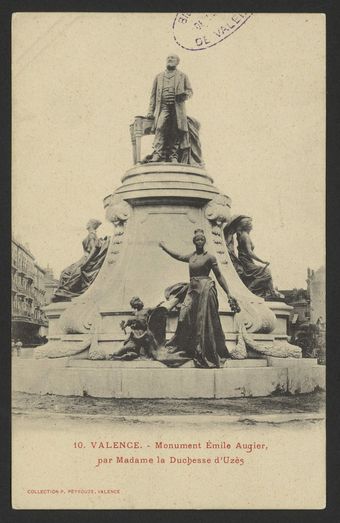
(155, 202)
(147, 379)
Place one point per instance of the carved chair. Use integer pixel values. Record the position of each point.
(140, 127)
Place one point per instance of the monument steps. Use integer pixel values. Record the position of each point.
(151, 379)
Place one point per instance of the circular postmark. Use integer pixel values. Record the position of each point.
(199, 31)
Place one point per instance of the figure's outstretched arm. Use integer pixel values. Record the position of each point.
(256, 258)
(173, 254)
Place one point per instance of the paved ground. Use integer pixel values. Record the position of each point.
(284, 408)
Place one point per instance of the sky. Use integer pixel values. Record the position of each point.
(80, 78)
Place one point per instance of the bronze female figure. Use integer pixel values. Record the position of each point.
(199, 332)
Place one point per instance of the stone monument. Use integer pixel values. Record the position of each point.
(165, 197)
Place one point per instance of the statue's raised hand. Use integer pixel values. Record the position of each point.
(149, 115)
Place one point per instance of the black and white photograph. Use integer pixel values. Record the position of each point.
(168, 260)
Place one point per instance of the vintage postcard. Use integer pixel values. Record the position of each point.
(168, 261)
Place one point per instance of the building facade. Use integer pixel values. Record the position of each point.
(29, 322)
(316, 286)
(307, 323)
(309, 305)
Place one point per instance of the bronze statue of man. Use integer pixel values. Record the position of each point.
(170, 90)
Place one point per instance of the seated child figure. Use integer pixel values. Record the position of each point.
(140, 342)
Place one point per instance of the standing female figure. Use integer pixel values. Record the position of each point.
(199, 332)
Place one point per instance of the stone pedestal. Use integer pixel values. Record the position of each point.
(145, 379)
(53, 311)
(282, 312)
(158, 201)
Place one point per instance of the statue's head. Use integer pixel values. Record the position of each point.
(136, 303)
(199, 238)
(237, 223)
(246, 224)
(93, 224)
(172, 61)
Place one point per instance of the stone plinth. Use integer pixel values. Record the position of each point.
(303, 374)
(282, 312)
(292, 363)
(246, 364)
(145, 379)
(163, 202)
(53, 311)
(156, 202)
(166, 180)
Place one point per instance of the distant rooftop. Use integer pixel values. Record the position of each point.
(25, 248)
